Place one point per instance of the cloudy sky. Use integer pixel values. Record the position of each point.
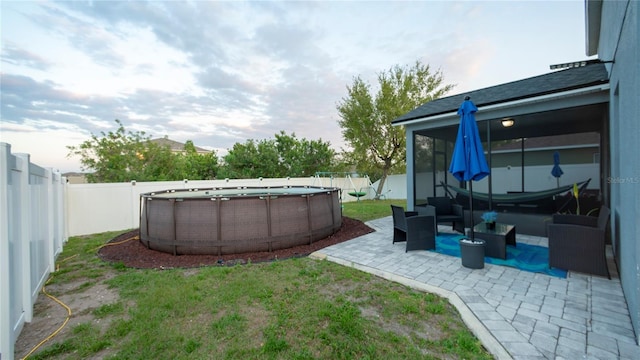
(222, 72)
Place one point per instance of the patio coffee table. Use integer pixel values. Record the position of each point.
(496, 239)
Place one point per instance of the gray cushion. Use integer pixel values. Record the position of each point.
(442, 205)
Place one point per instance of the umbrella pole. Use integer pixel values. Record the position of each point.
(471, 208)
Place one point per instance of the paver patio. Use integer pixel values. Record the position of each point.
(516, 314)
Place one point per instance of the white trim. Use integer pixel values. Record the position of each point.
(593, 23)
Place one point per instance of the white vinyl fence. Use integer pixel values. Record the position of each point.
(32, 232)
(96, 208)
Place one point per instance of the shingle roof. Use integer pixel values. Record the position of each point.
(593, 73)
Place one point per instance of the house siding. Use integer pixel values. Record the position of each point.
(619, 40)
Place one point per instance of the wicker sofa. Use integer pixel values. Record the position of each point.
(577, 243)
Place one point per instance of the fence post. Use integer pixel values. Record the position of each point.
(6, 338)
(22, 211)
(60, 231)
(135, 204)
(51, 250)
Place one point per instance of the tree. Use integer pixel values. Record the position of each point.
(199, 166)
(116, 156)
(156, 163)
(303, 157)
(252, 159)
(376, 145)
(286, 155)
(121, 156)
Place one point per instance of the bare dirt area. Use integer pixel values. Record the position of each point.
(49, 315)
(125, 249)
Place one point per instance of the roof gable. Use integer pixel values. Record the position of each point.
(176, 146)
(593, 73)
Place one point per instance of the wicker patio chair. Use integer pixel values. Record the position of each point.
(577, 243)
(429, 211)
(448, 212)
(400, 222)
(421, 233)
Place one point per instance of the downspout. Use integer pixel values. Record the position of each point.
(490, 189)
(522, 162)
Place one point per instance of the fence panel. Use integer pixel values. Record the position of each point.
(32, 232)
(41, 255)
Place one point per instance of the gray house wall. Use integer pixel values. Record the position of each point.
(618, 41)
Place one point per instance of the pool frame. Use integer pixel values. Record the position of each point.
(230, 220)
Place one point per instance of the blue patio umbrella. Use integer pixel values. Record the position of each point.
(468, 162)
(556, 171)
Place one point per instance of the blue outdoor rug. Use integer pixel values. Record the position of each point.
(524, 257)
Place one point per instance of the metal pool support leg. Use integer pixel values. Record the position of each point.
(145, 208)
(175, 231)
(219, 224)
(270, 243)
(309, 225)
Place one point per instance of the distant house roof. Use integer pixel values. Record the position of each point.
(176, 146)
(75, 177)
(593, 73)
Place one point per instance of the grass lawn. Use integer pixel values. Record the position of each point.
(288, 309)
(366, 210)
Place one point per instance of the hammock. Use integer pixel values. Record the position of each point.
(516, 198)
(357, 194)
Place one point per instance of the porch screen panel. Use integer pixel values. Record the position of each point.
(423, 168)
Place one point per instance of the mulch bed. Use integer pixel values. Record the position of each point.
(126, 249)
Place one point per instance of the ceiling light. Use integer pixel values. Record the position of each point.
(507, 122)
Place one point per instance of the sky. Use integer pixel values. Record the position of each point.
(223, 72)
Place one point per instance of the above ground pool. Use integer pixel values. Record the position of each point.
(237, 219)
